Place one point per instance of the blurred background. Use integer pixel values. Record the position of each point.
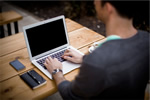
(82, 12)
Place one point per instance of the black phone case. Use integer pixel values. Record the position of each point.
(17, 65)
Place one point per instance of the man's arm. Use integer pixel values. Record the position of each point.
(58, 77)
(89, 82)
(82, 87)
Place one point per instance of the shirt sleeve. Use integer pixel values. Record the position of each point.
(88, 83)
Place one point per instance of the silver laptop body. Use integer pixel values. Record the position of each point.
(46, 38)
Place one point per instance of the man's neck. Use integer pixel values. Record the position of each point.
(120, 26)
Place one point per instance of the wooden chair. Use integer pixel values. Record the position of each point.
(147, 92)
(6, 18)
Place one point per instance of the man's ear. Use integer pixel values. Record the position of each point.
(109, 8)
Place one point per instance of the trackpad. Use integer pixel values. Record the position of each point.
(68, 66)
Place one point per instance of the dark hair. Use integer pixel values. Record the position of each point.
(138, 10)
(124, 8)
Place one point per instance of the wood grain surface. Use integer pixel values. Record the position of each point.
(14, 47)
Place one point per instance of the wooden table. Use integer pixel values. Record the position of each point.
(14, 47)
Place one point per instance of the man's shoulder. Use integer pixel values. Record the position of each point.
(144, 34)
(115, 51)
(101, 56)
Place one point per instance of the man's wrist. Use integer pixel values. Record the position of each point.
(56, 71)
(58, 77)
(81, 59)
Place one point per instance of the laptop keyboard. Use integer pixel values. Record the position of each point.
(56, 55)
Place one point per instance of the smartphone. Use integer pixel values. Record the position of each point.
(17, 65)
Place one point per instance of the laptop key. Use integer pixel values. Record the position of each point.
(44, 67)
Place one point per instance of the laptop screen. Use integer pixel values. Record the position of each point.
(46, 37)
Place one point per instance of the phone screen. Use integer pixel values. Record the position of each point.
(17, 65)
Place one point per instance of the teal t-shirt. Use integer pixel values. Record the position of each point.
(111, 37)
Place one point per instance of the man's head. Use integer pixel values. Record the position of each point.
(109, 8)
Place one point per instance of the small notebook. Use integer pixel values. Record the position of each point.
(33, 79)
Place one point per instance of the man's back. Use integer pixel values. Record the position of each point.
(126, 66)
(117, 69)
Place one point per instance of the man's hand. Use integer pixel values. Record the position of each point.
(52, 64)
(73, 56)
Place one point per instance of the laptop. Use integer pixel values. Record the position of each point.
(48, 38)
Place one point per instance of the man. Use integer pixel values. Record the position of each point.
(118, 69)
